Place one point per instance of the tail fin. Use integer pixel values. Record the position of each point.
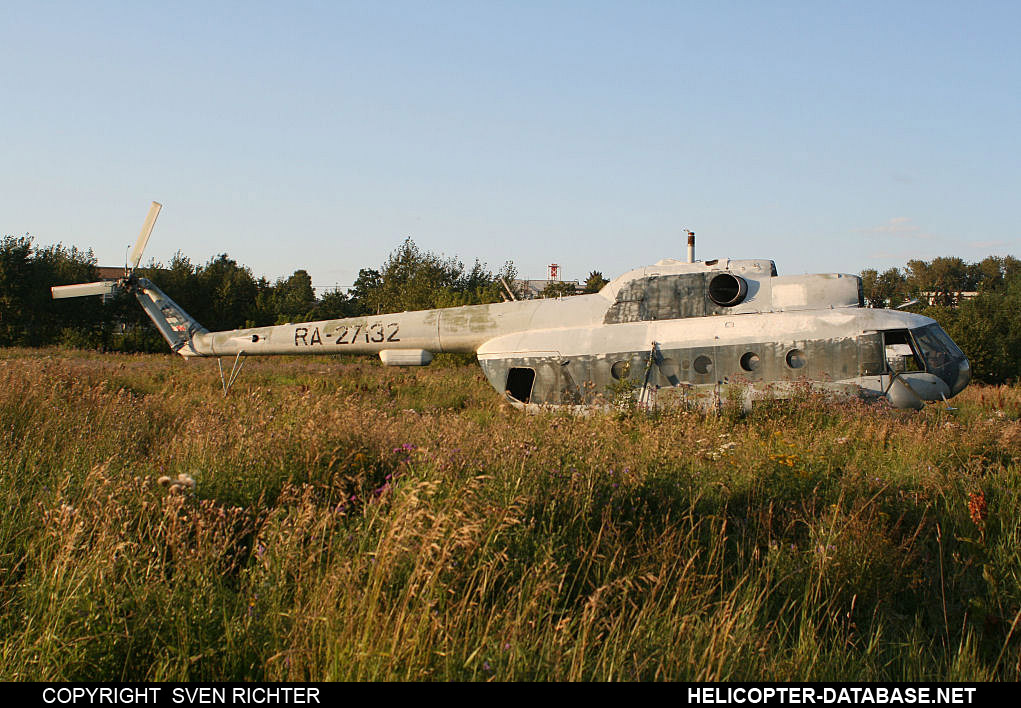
(176, 325)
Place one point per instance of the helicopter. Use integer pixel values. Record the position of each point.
(675, 331)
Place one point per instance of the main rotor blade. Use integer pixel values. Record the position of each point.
(104, 287)
(143, 238)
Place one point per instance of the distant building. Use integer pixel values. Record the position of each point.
(933, 298)
(116, 272)
(110, 272)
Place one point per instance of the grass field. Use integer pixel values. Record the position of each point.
(349, 521)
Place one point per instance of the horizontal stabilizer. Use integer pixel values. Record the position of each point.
(105, 287)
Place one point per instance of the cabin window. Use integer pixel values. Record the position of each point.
(750, 361)
(670, 369)
(795, 358)
(519, 383)
(703, 364)
(870, 354)
(620, 369)
(900, 352)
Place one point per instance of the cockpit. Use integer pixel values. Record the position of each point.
(927, 349)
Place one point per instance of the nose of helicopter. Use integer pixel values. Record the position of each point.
(912, 390)
(963, 377)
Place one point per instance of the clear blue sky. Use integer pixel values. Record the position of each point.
(829, 136)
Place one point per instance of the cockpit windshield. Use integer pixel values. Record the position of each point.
(916, 353)
(937, 348)
(926, 348)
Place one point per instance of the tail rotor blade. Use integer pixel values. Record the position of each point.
(143, 238)
(105, 287)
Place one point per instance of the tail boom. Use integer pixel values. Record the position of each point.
(454, 330)
(177, 326)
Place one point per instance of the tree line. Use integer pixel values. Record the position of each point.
(979, 304)
(220, 294)
(941, 280)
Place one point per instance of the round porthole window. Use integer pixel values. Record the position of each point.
(703, 364)
(750, 361)
(620, 369)
(669, 368)
(795, 358)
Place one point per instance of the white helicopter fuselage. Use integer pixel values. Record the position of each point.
(671, 329)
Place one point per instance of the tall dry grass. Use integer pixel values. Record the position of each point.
(350, 521)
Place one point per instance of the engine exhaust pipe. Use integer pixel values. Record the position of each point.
(691, 246)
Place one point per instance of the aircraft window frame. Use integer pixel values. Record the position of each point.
(670, 368)
(933, 348)
(620, 370)
(703, 365)
(947, 340)
(795, 359)
(511, 373)
(943, 338)
(889, 340)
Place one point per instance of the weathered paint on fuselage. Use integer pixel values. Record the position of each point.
(833, 348)
(456, 329)
(659, 327)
